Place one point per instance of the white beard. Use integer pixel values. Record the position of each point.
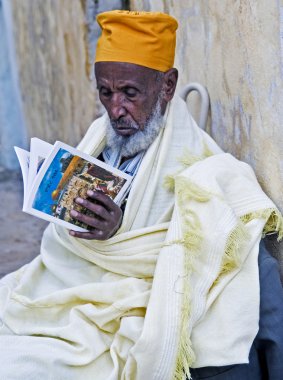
(131, 145)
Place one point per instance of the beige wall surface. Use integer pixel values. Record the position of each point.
(234, 49)
(58, 97)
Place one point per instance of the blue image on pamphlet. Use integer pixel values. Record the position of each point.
(43, 200)
(69, 176)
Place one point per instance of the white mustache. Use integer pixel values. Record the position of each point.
(117, 124)
(138, 141)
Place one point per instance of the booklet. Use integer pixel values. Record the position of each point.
(54, 175)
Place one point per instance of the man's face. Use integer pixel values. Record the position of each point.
(129, 93)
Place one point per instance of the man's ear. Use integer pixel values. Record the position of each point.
(169, 84)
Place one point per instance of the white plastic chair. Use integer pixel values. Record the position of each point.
(204, 98)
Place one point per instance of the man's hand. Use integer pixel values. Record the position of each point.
(106, 220)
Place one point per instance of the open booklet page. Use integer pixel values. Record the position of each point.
(31, 162)
(24, 160)
(39, 151)
(66, 174)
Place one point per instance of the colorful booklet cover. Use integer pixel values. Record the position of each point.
(54, 175)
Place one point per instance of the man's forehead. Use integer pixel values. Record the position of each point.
(123, 71)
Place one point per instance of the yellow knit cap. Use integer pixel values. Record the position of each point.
(144, 38)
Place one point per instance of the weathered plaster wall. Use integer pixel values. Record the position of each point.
(57, 96)
(234, 49)
(12, 126)
(54, 43)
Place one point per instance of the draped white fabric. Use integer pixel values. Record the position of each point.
(112, 309)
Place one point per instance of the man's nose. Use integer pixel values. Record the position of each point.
(117, 107)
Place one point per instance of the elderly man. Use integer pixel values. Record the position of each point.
(170, 280)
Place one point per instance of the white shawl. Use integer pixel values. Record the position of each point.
(177, 286)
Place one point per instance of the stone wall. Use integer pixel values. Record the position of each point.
(234, 49)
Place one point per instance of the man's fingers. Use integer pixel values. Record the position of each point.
(96, 234)
(89, 220)
(105, 219)
(104, 199)
(95, 208)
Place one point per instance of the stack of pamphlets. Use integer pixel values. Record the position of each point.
(54, 175)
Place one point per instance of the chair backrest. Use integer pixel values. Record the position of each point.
(204, 98)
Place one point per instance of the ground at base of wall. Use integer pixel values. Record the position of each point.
(20, 233)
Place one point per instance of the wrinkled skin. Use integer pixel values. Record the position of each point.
(129, 93)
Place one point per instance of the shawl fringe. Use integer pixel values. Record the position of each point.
(187, 191)
(274, 221)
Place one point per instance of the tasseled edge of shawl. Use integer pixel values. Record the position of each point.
(186, 191)
(187, 159)
(232, 253)
(232, 258)
(274, 221)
